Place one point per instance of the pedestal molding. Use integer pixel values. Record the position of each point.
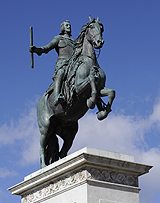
(84, 169)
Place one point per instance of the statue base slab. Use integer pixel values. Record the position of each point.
(86, 176)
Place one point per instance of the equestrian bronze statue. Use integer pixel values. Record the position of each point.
(78, 85)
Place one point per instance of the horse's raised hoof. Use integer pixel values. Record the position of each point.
(103, 114)
(90, 103)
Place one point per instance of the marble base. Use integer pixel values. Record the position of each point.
(86, 176)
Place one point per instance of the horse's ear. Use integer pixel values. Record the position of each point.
(97, 19)
(90, 19)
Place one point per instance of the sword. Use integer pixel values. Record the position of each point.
(31, 44)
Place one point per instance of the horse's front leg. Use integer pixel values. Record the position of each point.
(108, 92)
(92, 100)
(52, 149)
(105, 109)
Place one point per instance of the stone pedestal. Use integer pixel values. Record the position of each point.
(87, 176)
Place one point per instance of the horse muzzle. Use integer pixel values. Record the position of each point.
(98, 44)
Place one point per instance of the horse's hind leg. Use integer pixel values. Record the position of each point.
(44, 128)
(43, 144)
(68, 135)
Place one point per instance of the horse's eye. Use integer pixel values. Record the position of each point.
(91, 26)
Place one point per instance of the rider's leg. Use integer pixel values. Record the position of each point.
(58, 79)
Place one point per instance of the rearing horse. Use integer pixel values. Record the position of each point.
(83, 88)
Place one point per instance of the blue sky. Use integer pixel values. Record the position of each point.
(131, 59)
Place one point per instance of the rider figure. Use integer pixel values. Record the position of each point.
(64, 46)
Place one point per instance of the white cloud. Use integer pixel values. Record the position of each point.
(23, 130)
(150, 183)
(117, 133)
(30, 154)
(120, 133)
(19, 129)
(4, 173)
(155, 116)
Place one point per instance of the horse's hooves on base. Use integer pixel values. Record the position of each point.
(90, 103)
(43, 165)
(62, 155)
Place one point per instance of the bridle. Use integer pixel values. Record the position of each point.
(93, 36)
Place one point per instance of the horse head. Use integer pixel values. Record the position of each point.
(94, 33)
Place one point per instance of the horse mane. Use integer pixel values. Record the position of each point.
(80, 38)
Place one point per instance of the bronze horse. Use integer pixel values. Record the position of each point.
(83, 87)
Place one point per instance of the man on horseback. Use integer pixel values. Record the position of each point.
(64, 46)
(78, 84)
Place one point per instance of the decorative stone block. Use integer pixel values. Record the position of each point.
(87, 176)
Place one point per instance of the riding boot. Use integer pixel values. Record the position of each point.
(59, 98)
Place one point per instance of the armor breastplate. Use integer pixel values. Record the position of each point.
(66, 47)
